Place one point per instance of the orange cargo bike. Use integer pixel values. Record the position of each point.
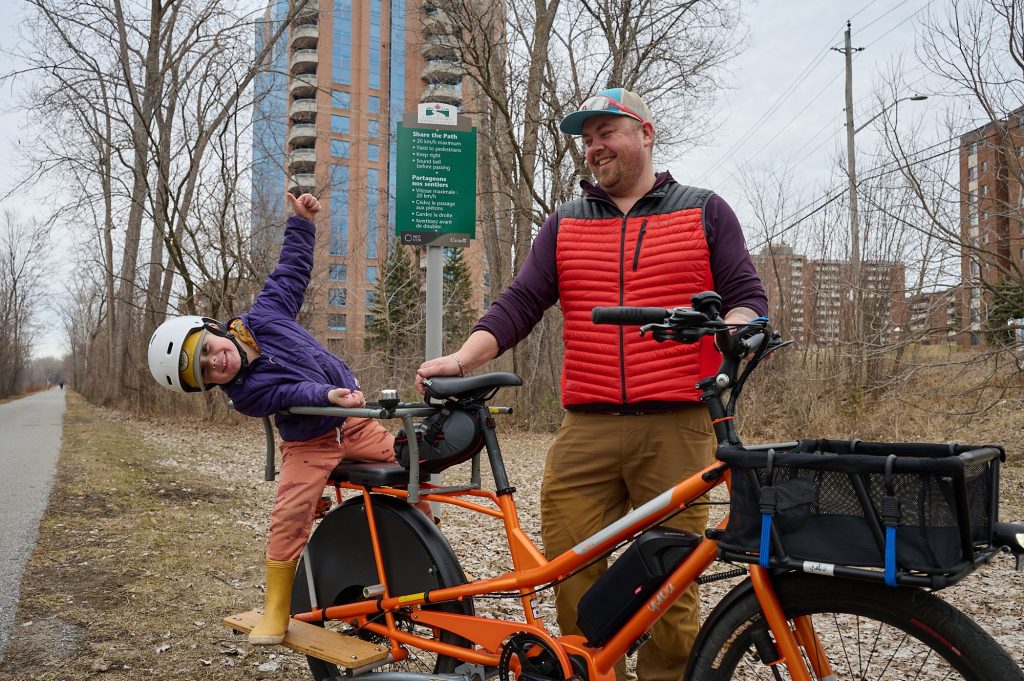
(840, 544)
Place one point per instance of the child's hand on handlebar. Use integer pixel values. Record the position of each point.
(343, 397)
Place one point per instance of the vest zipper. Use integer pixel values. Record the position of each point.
(639, 240)
(622, 298)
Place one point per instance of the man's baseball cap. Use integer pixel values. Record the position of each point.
(614, 101)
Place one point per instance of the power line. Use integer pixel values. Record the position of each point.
(911, 16)
(878, 171)
(791, 89)
(773, 107)
(883, 15)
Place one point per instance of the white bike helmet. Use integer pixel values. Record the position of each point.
(174, 353)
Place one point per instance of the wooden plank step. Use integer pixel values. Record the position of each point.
(309, 639)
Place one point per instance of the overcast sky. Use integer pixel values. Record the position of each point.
(784, 103)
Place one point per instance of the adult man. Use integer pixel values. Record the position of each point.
(633, 422)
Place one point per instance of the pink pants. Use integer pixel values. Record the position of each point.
(305, 467)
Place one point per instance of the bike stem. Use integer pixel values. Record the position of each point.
(721, 421)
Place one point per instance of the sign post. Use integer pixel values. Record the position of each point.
(435, 202)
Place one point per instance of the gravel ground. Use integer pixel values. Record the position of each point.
(993, 596)
(182, 540)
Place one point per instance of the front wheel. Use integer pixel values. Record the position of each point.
(868, 631)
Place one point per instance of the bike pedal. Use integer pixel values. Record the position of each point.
(323, 506)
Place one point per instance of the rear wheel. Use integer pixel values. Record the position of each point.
(869, 632)
(417, 558)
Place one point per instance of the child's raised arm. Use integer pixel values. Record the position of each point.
(285, 288)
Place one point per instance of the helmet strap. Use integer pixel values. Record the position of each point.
(241, 353)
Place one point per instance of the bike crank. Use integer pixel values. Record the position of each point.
(526, 657)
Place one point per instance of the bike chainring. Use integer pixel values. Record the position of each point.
(535, 659)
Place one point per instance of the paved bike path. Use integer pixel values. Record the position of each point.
(30, 435)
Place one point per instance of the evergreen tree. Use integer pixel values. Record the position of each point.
(1007, 303)
(395, 331)
(459, 314)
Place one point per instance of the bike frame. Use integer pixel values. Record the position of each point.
(531, 570)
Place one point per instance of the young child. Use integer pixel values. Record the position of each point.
(265, 362)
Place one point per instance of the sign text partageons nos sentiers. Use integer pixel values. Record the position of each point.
(435, 184)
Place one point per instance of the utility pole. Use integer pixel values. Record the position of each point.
(851, 165)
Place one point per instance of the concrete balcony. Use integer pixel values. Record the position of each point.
(302, 161)
(302, 182)
(302, 135)
(440, 47)
(305, 37)
(438, 23)
(303, 111)
(310, 9)
(304, 61)
(442, 71)
(303, 85)
(443, 93)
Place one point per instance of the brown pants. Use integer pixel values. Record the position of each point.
(598, 468)
(305, 467)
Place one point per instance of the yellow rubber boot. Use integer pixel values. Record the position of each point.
(277, 611)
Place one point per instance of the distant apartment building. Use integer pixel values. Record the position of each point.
(329, 101)
(811, 300)
(933, 317)
(991, 226)
(782, 273)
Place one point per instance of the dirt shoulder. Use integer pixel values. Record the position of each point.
(144, 548)
(153, 536)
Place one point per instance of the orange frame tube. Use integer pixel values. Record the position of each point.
(532, 570)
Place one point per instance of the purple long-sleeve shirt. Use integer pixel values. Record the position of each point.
(294, 368)
(535, 288)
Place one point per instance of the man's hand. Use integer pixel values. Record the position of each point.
(306, 206)
(343, 397)
(440, 366)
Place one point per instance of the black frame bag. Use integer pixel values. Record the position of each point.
(444, 439)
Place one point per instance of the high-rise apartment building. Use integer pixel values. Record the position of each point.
(991, 225)
(329, 100)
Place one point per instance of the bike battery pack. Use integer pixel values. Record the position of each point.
(631, 581)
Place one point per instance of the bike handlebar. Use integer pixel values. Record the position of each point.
(629, 316)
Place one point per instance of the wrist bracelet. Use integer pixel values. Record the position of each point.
(462, 369)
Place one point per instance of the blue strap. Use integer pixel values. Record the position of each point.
(890, 555)
(766, 539)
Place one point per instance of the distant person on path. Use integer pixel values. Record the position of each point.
(634, 424)
(265, 362)
(61, 383)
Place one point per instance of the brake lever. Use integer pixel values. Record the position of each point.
(669, 332)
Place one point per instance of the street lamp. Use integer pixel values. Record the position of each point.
(851, 161)
(896, 103)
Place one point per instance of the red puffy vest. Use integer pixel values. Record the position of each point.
(656, 256)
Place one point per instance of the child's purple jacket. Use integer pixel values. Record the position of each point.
(293, 369)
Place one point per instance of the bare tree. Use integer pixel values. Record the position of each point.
(24, 245)
(142, 105)
(527, 64)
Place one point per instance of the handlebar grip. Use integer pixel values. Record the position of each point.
(629, 316)
(754, 341)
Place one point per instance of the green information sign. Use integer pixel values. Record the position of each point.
(435, 199)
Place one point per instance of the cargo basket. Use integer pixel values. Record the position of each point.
(903, 513)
